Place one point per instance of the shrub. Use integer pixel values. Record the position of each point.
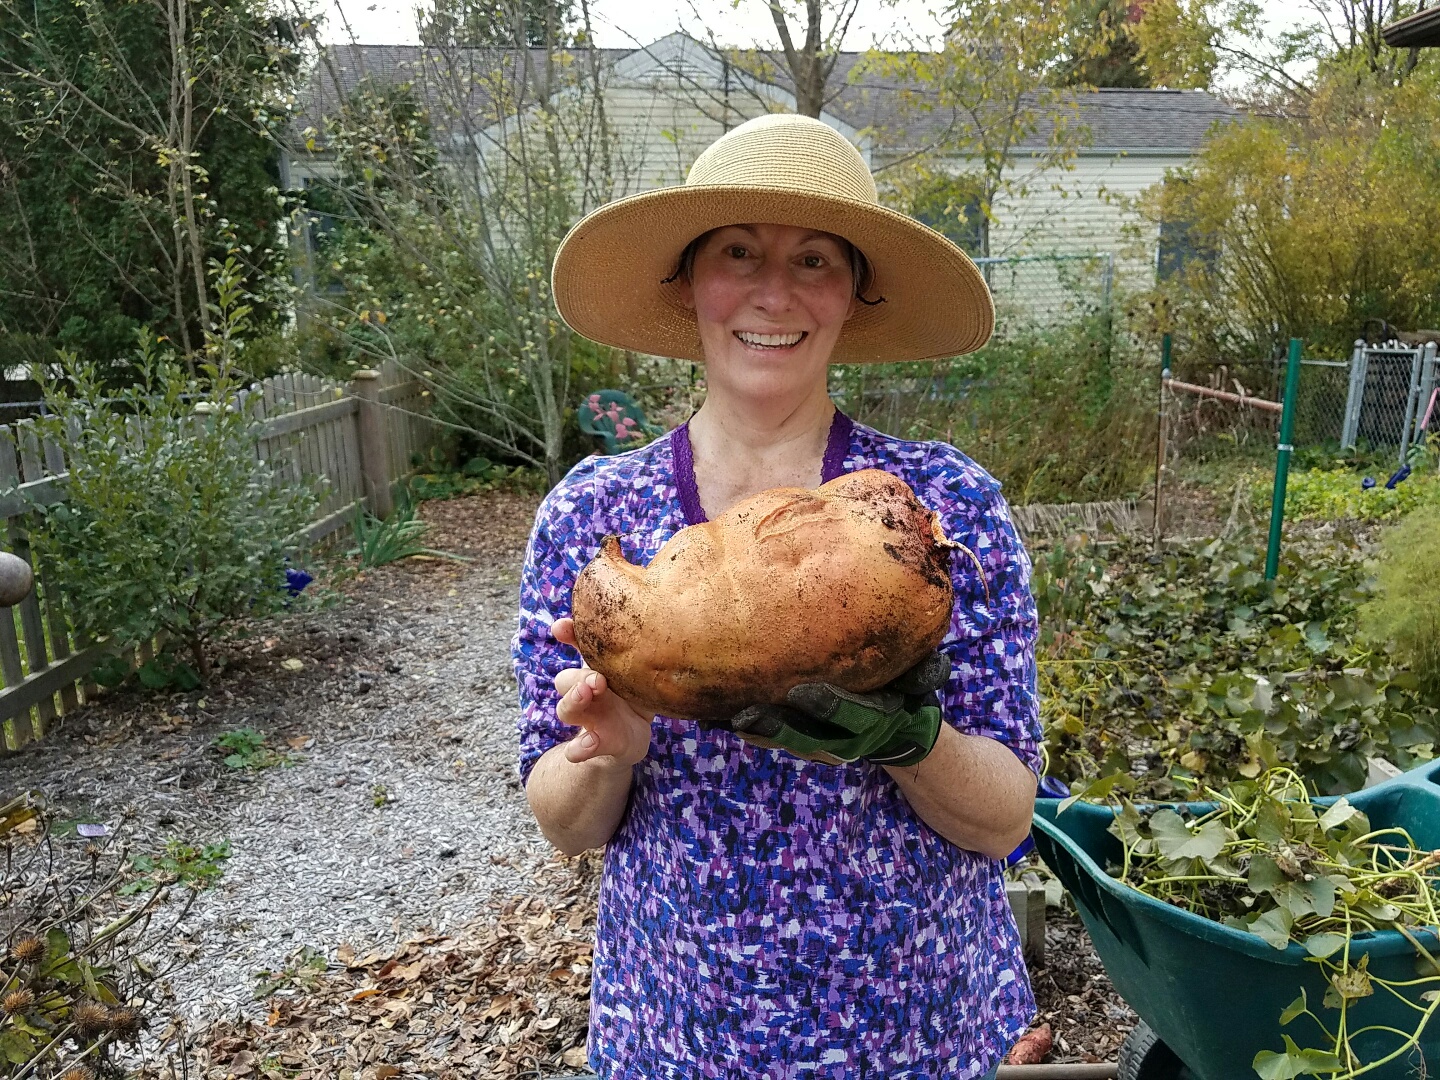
(1405, 611)
(81, 977)
(1057, 414)
(1188, 664)
(169, 521)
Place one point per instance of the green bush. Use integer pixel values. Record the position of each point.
(1190, 665)
(169, 522)
(1057, 414)
(1405, 611)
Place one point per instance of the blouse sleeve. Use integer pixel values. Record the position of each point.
(991, 642)
(560, 546)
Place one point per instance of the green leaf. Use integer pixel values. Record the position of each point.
(1320, 946)
(1273, 925)
(57, 945)
(16, 1046)
(1294, 1062)
(1176, 841)
(1338, 814)
(1298, 1007)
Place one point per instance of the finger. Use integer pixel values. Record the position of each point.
(823, 700)
(583, 747)
(573, 705)
(569, 678)
(563, 631)
(929, 674)
(761, 720)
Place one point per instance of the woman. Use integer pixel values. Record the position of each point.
(762, 914)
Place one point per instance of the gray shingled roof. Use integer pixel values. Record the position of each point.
(1133, 121)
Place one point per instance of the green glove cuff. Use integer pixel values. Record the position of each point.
(853, 731)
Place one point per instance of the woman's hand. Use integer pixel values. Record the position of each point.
(613, 728)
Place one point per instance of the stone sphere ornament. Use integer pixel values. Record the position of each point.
(16, 579)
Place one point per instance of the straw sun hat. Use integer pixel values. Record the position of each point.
(781, 169)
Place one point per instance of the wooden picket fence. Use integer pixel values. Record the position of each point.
(359, 436)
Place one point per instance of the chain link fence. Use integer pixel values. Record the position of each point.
(1045, 291)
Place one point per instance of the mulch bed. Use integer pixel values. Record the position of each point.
(508, 996)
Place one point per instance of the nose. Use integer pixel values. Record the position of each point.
(772, 289)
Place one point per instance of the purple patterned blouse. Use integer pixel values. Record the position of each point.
(764, 916)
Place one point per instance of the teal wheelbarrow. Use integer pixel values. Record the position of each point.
(1210, 996)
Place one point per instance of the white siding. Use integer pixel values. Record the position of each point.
(1084, 209)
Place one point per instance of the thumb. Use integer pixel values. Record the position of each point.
(563, 631)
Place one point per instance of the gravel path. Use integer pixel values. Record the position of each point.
(400, 808)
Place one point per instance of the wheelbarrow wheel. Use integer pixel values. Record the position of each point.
(1144, 1057)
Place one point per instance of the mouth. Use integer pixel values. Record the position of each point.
(771, 342)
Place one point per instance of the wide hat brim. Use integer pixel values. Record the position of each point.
(610, 270)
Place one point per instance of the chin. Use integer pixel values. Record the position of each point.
(768, 377)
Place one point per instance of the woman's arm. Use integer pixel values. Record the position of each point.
(578, 789)
(973, 791)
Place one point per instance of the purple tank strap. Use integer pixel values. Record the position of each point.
(684, 467)
(837, 447)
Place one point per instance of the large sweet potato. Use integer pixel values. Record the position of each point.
(847, 584)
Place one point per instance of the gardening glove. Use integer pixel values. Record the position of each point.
(897, 724)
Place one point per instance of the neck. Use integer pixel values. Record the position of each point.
(763, 428)
(743, 448)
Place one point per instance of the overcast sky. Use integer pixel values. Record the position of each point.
(628, 23)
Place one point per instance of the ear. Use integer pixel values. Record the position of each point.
(686, 289)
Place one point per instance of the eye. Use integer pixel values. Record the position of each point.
(737, 251)
(813, 262)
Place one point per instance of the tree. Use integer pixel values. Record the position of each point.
(1101, 49)
(993, 85)
(134, 146)
(1311, 221)
(1190, 43)
(458, 186)
(811, 63)
(494, 23)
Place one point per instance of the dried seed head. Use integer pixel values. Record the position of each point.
(28, 950)
(78, 1072)
(125, 1023)
(93, 851)
(91, 1019)
(17, 1001)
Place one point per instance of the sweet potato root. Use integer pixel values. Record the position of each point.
(848, 584)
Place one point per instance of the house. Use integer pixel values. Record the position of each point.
(666, 101)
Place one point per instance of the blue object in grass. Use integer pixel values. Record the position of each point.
(1051, 787)
(296, 580)
(1367, 483)
(1397, 476)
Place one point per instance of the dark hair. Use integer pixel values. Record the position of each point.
(860, 270)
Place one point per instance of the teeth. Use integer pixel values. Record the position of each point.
(770, 340)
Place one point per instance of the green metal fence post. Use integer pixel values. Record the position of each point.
(1156, 519)
(1282, 460)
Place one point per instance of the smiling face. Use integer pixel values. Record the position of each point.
(770, 301)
